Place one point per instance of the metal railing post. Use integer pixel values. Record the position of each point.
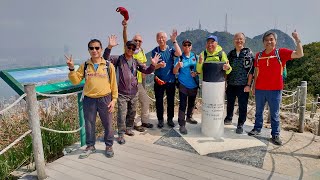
(314, 106)
(298, 99)
(34, 123)
(302, 105)
(81, 121)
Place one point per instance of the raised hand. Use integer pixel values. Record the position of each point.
(155, 59)
(124, 23)
(226, 66)
(69, 61)
(112, 41)
(174, 35)
(295, 35)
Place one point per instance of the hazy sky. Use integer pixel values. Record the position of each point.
(53, 24)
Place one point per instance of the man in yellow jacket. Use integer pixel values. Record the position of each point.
(100, 94)
(213, 53)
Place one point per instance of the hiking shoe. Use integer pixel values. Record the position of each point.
(227, 121)
(276, 140)
(129, 132)
(160, 125)
(86, 153)
(109, 152)
(239, 130)
(147, 125)
(170, 123)
(139, 128)
(191, 121)
(121, 140)
(183, 130)
(254, 132)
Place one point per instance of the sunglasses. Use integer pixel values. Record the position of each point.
(187, 45)
(131, 48)
(136, 40)
(92, 48)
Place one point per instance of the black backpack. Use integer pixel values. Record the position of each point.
(107, 65)
(206, 55)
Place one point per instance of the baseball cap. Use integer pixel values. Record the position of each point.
(131, 43)
(215, 38)
(186, 41)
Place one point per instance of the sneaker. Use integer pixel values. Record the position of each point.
(254, 132)
(227, 121)
(147, 125)
(129, 132)
(276, 140)
(139, 128)
(86, 153)
(109, 152)
(191, 121)
(121, 140)
(170, 123)
(239, 130)
(183, 130)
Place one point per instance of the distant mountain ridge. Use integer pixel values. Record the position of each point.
(198, 38)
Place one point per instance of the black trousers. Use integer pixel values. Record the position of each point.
(232, 93)
(159, 90)
(186, 96)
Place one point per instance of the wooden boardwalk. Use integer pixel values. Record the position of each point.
(140, 160)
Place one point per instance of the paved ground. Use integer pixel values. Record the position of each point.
(298, 157)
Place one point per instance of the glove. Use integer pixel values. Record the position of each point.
(124, 12)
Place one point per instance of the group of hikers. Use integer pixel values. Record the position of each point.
(261, 74)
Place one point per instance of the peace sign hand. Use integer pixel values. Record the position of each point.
(70, 61)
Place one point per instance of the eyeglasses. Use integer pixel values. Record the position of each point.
(131, 48)
(187, 45)
(92, 48)
(136, 40)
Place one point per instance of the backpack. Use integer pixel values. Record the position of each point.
(283, 68)
(107, 65)
(206, 55)
(84, 73)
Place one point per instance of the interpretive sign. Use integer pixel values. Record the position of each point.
(48, 80)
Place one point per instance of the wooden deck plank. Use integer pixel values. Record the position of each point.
(140, 160)
(148, 167)
(183, 164)
(204, 160)
(56, 175)
(104, 170)
(72, 171)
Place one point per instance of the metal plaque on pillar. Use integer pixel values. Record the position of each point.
(213, 93)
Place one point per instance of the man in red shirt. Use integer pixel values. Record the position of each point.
(268, 81)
